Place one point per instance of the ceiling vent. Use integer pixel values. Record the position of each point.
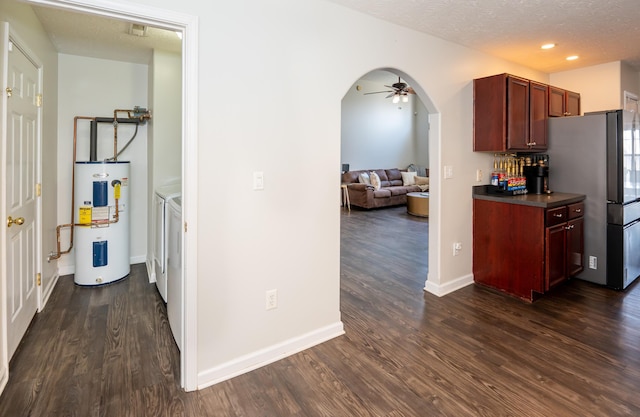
(136, 29)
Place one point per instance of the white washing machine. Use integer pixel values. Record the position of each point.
(174, 269)
(161, 203)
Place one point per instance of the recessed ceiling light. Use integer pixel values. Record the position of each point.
(548, 46)
(572, 58)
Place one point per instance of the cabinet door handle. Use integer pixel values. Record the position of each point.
(531, 144)
(567, 113)
(578, 210)
(570, 227)
(558, 215)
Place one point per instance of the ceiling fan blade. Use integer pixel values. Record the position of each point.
(378, 92)
(410, 90)
(393, 93)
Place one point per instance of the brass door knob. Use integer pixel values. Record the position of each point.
(18, 220)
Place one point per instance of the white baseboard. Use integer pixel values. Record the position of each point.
(4, 377)
(66, 270)
(48, 290)
(138, 259)
(449, 287)
(263, 357)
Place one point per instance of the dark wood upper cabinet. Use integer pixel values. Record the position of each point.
(572, 103)
(490, 113)
(556, 102)
(538, 115)
(510, 114)
(517, 113)
(563, 102)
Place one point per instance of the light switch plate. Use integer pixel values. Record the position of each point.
(448, 172)
(258, 180)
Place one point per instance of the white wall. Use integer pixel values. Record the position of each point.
(96, 87)
(166, 107)
(421, 138)
(629, 81)
(377, 134)
(164, 146)
(599, 85)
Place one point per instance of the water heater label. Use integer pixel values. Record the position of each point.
(100, 214)
(84, 215)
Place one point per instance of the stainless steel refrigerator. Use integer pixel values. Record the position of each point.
(598, 155)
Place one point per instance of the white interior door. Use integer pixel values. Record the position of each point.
(20, 168)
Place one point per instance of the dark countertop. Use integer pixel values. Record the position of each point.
(552, 200)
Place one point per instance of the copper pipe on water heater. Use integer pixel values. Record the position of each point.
(131, 114)
(59, 253)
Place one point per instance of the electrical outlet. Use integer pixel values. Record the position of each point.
(271, 299)
(457, 247)
(478, 175)
(593, 262)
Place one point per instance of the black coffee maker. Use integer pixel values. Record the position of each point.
(536, 171)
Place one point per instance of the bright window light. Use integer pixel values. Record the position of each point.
(572, 58)
(548, 46)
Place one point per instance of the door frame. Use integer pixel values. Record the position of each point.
(4, 344)
(188, 25)
(10, 38)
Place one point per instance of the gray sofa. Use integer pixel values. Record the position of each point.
(392, 192)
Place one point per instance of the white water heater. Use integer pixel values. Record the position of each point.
(101, 222)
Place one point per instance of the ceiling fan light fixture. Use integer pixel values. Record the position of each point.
(572, 57)
(397, 91)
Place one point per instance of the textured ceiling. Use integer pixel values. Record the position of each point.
(99, 37)
(598, 31)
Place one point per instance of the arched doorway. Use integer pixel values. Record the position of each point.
(421, 137)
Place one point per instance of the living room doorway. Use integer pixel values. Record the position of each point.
(381, 129)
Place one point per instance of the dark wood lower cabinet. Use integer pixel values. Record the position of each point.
(525, 250)
(575, 247)
(556, 256)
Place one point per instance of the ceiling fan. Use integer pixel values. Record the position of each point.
(398, 91)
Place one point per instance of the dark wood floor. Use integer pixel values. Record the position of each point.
(576, 352)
